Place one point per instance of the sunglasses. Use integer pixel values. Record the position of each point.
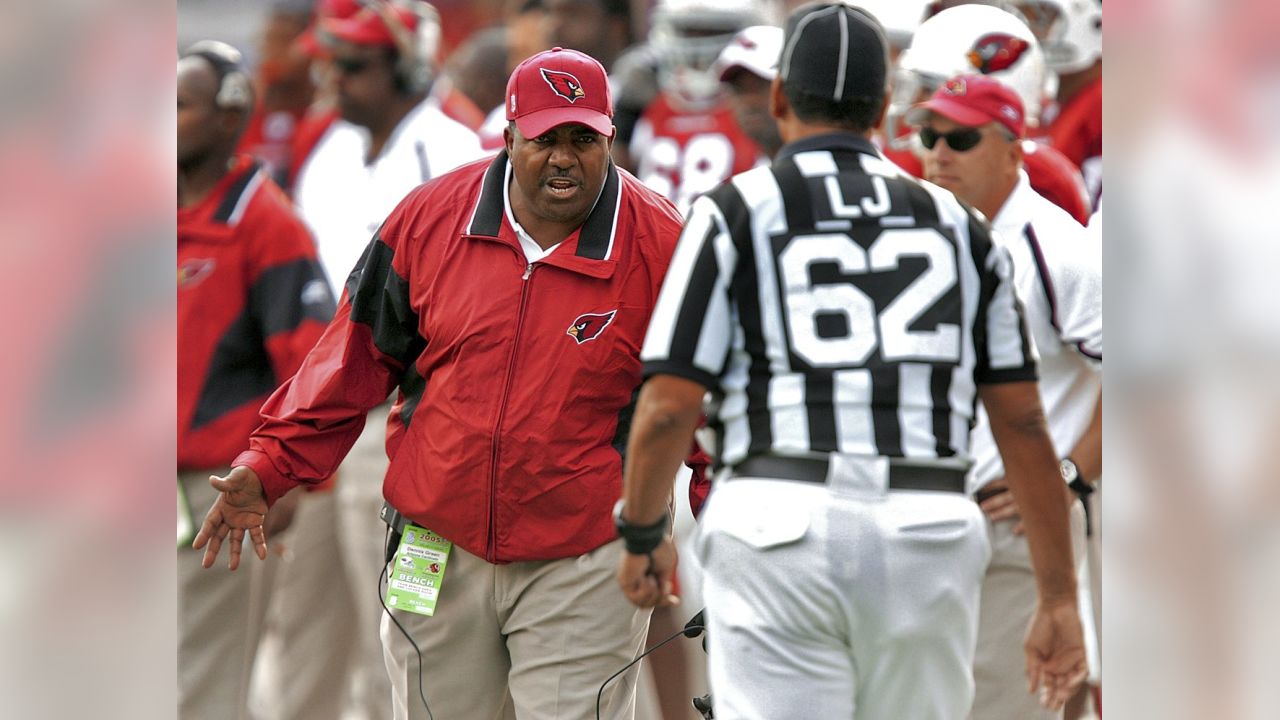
(351, 66)
(959, 140)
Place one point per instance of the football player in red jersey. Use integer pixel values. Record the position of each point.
(981, 39)
(1070, 32)
(686, 140)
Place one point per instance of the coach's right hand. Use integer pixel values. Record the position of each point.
(1056, 663)
(241, 506)
(649, 585)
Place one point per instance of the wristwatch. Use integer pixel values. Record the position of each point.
(1081, 487)
(639, 539)
(1071, 475)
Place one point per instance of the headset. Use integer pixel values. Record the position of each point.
(416, 46)
(383, 578)
(235, 88)
(692, 629)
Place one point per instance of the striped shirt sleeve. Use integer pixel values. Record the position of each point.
(691, 329)
(1005, 352)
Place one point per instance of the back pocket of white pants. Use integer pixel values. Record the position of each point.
(757, 519)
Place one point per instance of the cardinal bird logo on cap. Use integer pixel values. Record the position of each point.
(994, 52)
(563, 84)
(956, 86)
(588, 326)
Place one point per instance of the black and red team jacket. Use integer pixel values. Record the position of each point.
(252, 300)
(516, 381)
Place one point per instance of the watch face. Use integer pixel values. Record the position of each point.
(1068, 470)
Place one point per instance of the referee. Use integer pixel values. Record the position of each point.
(845, 319)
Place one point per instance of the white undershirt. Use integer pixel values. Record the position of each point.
(533, 252)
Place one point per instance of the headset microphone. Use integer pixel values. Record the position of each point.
(691, 629)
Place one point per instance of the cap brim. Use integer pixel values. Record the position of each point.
(733, 68)
(540, 121)
(952, 111)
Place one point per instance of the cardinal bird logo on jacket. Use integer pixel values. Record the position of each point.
(588, 326)
(563, 84)
(994, 52)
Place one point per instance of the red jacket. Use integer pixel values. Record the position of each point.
(515, 381)
(252, 300)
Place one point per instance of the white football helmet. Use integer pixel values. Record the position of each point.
(688, 36)
(1070, 31)
(899, 18)
(968, 40)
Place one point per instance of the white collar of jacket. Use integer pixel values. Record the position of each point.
(595, 253)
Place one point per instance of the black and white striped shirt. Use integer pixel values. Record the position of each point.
(833, 304)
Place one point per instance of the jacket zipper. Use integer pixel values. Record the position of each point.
(492, 551)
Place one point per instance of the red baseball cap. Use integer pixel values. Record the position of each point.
(326, 10)
(557, 87)
(974, 100)
(368, 27)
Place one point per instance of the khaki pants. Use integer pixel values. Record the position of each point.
(537, 636)
(311, 619)
(1008, 602)
(325, 609)
(220, 618)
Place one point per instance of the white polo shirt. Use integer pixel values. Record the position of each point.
(344, 201)
(1058, 276)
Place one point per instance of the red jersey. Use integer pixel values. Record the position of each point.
(682, 154)
(252, 300)
(1051, 175)
(516, 380)
(1076, 132)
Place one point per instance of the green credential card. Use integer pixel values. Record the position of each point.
(417, 571)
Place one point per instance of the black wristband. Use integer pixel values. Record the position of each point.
(639, 539)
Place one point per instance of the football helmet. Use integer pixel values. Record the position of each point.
(688, 35)
(1070, 31)
(968, 40)
(899, 18)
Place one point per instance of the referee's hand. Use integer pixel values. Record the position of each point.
(649, 585)
(1056, 663)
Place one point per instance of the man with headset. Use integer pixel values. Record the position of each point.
(252, 300)
(392, 136)
(506, 303)
(845, 318)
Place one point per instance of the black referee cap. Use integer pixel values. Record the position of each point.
(835, 51)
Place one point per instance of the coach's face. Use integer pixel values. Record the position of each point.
(980, 175)
(558, 174)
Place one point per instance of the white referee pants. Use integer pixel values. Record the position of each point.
(841, 601)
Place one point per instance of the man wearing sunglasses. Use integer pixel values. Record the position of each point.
(972, 129)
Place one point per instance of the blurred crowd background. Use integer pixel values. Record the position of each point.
(1191, 566)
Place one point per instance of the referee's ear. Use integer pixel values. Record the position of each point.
(778, 105)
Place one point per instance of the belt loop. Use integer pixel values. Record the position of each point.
(861, 475)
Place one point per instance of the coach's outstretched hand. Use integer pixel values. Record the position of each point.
(241, 506)
(1056, 662)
